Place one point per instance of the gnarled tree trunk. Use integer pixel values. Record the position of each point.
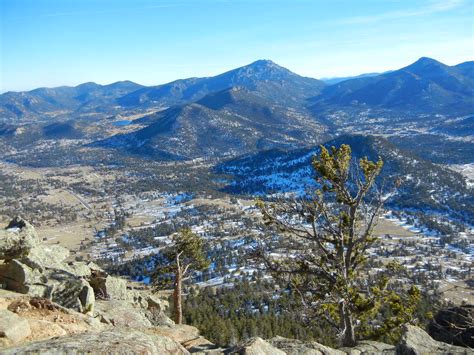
(346, 324)
(178, 308)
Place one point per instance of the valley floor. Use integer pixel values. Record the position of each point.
(88, 214)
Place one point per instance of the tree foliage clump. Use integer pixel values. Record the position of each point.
(324, 242)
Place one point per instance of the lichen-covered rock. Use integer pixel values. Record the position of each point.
(65, 290)
(138, 298)
(368, 347)
(299, 347)
(43, 329)
(57, 285)
(79, 269)
(18, 277)
(157, 303)
(415, 341)
(46, 318)
(17, 239)
(181, 333)
(43, 256)
(87, 298)
(40, 270)
(454, 326)
(256, 346)
(13, 329)
(109, 287)
(121, 313)
(116, 341)
(157, 317)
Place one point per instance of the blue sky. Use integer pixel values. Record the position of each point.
(67, 42)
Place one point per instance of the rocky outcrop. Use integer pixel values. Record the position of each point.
(368, 347)
(415, 341)
(29, 266)
(32, 324)
(256, 346)
(181, 333)
(87, 299)
(31, 318)
(121, 313)
(78, 304)
(156, 303)
(109, 287)
(454, 326)
(17, 239)
(297, 347)
(40, 270)
(13, 329)
(116, 341)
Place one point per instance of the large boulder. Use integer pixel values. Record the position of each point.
(79, 269)
(17, 239)
(116, 341)
(182, 333)
(18, 277)
(299, 347)
(415, 341)
(156, 309)
(46, 318)
(157, 317)
(109, 287)
(43, 329)
(13, 329)
(154, 302)
(369, 347)
(256, 346)
(65, 289)
(454, 326)
(57, 285)
(121, 313)
(40, 270)
(44, 257)
(87, 299)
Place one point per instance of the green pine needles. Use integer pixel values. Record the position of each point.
(323, 247)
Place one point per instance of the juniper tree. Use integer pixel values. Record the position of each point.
(185, 255)
(323, 246)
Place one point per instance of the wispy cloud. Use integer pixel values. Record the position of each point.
(432, 8)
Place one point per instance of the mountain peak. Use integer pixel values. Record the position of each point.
(425, 62)
(263, 62)
(427, 67)
(89, 84)
(265, 65)
(262, 69)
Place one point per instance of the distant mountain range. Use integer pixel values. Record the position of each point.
(256, 107)
(338, 79)
(54, 101)
(263, 77)
(426, 86)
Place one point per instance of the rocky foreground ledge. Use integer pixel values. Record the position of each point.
(51, 306)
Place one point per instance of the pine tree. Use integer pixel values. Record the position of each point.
(183, 256)
(324, 239)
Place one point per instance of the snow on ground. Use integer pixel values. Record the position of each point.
(467, 170)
